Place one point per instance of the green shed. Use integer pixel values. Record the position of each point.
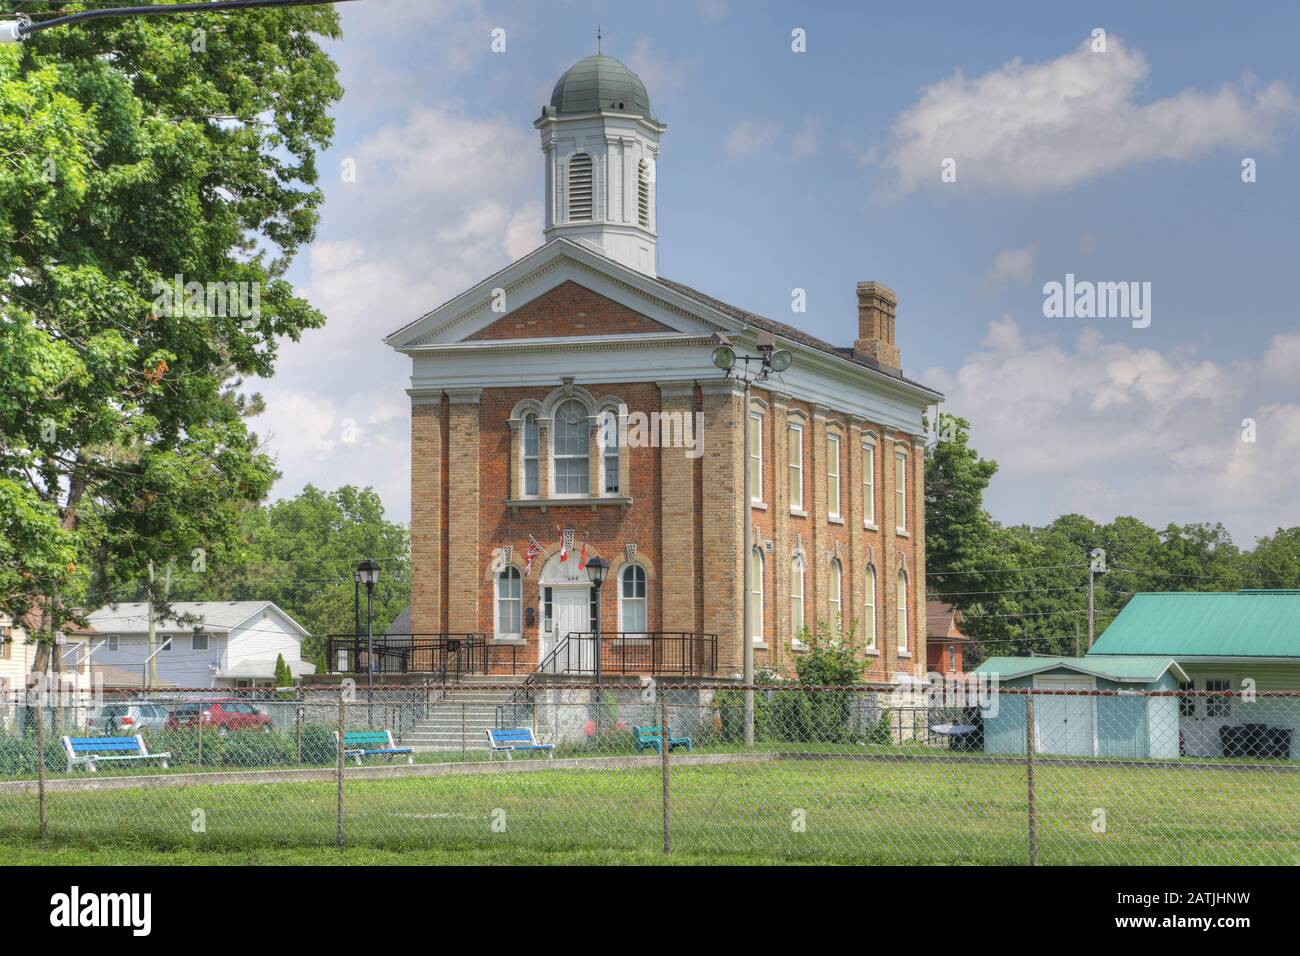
(1083, 724)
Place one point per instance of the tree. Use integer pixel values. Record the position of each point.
(283, 676)
(136, 156)
(301, 554)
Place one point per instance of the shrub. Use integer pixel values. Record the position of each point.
(318, 743)
(252, 749)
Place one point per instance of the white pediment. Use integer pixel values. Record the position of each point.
(544, 269)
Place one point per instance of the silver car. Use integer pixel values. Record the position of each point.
(127, 718)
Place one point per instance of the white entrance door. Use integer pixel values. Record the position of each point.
(1063, 724)
(572, 610)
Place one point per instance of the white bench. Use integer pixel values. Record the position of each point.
(508, 741)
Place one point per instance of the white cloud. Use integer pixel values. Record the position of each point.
(1012, 265)
(748, 137)
(1043, 126)
(1105, 427)
(806, 140)
(440, 201)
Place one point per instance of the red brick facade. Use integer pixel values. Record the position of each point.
(682, 514)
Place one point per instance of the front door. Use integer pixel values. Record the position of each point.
(572, 610)
(1064, 723)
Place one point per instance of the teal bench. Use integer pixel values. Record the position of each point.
(651, 738)
(508, 741)
(359, 744)
(89, 752)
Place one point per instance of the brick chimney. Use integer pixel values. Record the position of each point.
(876, 304)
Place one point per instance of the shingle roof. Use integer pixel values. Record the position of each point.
(785, 331)
(941, 621)
(1254, 623)
(133, 617)
(401, 624)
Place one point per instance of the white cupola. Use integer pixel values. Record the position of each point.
(601, 144)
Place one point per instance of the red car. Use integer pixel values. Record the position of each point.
(225, 714)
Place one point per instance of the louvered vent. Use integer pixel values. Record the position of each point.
(580, 187)
(643, 194)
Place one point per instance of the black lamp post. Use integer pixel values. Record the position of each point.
(368, 574)
(597, 568)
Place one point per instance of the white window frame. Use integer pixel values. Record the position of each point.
(556, 457)
(798, 573)
(795, 463)
(869, 612)
(900, 491)
(1217, 708)
(530, 423)
(903, 593)
(835, 594)
(833, 464)
(626, 604)
(609, 429)
(756, 456)
(869, 484)
(114, 642)
(509, 572)
(196, 637)
(756, 569)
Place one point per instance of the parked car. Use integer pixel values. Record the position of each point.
(128, 718)
(223, 715)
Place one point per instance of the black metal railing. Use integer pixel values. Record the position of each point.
(444, 656)
(666, 653)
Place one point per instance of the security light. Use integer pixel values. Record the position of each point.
(724, 357)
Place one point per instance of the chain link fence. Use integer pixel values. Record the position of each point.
(521, 772)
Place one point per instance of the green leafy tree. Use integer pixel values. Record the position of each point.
(301, 553)
(131, 155)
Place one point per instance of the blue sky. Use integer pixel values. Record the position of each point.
(819, 169)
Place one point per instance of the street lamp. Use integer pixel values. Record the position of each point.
(597, 568)
(368, 574)
(768, 360)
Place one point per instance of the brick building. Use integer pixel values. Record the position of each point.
(574, 392)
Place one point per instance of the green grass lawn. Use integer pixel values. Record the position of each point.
(828, 810)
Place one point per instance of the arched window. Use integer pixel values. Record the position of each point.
(510, 603)
(902, 612)
(756, 594)
(531, 459)
(571, 441)
(580, 195)
(869, 614)
(643, 194)
(609, 451)
(835, 593)
(796, 599)
(633, 613)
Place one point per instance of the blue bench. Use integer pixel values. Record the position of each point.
(651, 738)
(359, 744)
(89, 752)
(508, 741)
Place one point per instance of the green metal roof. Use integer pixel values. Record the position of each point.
(1121, 670)
(1183, 624)
(600, 83)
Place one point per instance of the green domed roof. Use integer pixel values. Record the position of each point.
(600, 83)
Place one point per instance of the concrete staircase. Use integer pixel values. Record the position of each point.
(460, 720)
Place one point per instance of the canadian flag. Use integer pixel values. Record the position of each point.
(534, 549)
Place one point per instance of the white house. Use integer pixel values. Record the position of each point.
(213, 643)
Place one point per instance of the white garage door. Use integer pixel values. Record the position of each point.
(1063, 724)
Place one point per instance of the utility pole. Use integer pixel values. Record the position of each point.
(1096, 565)
(151, 675)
